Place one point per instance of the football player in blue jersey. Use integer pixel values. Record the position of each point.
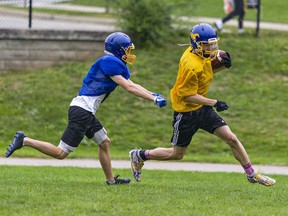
(105, 74)
(193, 110)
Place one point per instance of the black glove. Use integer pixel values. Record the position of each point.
(221, 106)
(227, 60)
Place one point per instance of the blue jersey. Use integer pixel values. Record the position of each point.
(97, 81)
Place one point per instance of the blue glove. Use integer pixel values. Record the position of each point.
(159, 100)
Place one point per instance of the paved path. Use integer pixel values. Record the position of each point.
(149, 165)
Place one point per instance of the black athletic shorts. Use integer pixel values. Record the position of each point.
(80, 123)
(186, 124)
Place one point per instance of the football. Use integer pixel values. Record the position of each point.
(216, 59)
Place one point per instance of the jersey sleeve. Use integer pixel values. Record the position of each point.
(112, 66)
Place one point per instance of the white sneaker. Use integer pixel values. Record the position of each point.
(136, 164)
(261, 179)
(219, 25)
(241, 31)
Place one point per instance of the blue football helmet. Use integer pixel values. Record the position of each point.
(120, 45)
(204, 40)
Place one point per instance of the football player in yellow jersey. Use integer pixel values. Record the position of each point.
(193, 110)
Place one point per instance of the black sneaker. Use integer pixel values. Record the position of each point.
(16, 144)
(119, 181)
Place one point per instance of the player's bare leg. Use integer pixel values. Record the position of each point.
(137, 161)
(237, 148)
(105, 161)
(46, 148)
(241, 155)
(20, 140)
(175, 153)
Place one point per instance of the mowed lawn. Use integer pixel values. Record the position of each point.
(82, 191)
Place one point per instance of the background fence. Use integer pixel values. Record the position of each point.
(39, 33)
(67, 15)
(53, 14)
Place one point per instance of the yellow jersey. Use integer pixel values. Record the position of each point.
(194, 77)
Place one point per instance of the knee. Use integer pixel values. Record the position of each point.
(61, 155)
(105, 145)
(177, 155)
(231, 139)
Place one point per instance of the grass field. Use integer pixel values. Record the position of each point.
(82, 191)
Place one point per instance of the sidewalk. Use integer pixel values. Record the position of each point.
(149, 165)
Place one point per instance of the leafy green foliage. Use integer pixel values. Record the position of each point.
(148, 22)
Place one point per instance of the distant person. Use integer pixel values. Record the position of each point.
(193, 110)
(239, 10)
(105, 74)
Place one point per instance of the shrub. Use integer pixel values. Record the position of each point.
(147, 22)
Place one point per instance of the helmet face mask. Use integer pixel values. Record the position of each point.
(204, 40)
(120, 45)
(128, 57)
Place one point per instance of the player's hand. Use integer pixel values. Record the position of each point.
(221, 106)
(227, 60)
(159, 100)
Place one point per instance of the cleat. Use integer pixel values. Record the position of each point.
(16, 144)
(119, 181)
(261, 179)
(136, 164)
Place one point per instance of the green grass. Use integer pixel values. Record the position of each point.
(82, 191)
(36, 101)
(98, 3)
(271, 11)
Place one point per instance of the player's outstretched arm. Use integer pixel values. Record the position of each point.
(139, 90)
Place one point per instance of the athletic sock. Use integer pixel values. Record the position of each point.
(144, 155)
(249, 170)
